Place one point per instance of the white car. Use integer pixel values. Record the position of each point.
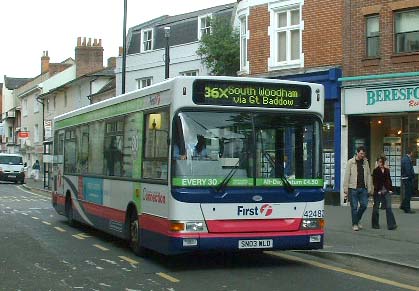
(12, 168)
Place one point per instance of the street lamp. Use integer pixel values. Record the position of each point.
(166, 52)
(124, 47)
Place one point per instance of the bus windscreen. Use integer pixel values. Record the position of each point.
(251, 94)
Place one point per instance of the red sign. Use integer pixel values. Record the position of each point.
(23, 134)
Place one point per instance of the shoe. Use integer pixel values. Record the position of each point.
(355, 227)
(393, 227)
(409, 211)
(360, 226)
(376, 227)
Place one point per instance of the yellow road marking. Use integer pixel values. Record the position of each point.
(131, 261)
(101, 248)
(46, 222)
(345, 271)
(168, 277)
(36, 218)
(59, 228)
(77, 236)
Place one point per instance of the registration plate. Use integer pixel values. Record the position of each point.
(11, 176)
(255, 244)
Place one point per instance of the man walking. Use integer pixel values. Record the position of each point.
(407, 177)
(357, 183)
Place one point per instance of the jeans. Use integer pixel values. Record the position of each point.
(408, 192)
(386, 199)
(359, 195)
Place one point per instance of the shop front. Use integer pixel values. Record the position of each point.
(384, 117)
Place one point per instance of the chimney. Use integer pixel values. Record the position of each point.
(44, 62)
(89, 57)
(112, 62)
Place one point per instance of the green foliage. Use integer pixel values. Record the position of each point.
(220, 50)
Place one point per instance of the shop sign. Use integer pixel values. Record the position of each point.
(23, 134)
(381, 99)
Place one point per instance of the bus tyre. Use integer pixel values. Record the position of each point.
(134, 235)
(69, 212)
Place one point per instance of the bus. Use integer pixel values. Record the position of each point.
(197, 164)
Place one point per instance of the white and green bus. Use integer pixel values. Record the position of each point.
(197, 164)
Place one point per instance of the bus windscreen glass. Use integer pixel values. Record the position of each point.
(251, 94)
(264, 147)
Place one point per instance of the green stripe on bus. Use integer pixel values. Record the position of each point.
(102, 113)
(267, 182)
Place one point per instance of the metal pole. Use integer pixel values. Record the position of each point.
(124, 47)
(166, 53)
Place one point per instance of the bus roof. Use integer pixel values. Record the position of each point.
(165, 86)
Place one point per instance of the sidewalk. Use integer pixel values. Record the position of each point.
(398, 246)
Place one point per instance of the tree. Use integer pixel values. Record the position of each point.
(220, 50)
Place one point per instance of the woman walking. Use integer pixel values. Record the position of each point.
(383, 189)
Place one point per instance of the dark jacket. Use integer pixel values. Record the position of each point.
(407, 168)
(380, 179)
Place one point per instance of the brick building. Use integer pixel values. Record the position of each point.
(380, 91)
(302, 41)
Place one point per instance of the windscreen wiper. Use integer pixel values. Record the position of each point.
(288, 187)
(287, 184)
(227, 178)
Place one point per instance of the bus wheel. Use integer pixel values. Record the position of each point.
(69, 211)
(134, 235)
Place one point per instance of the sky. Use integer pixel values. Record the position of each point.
(27, 27)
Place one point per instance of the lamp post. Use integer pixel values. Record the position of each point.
(166, 52)
(124, 47)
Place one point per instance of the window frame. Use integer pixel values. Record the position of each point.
(275, 9)
(396, 33)
(200, 28)
(145, 41)
(244, 37)
(189, 73)
(140, 82)
(367, 17)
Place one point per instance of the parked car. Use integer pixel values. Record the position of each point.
(12, 168)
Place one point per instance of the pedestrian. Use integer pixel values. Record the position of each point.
(36, 168)
(383, 188)
(407, 177)
(357, 184)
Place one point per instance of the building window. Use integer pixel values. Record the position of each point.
(35, 105)
(47, 102)
(147, 40)
(36, 133)
(407, 31)
(204, 25)
(25, 107)
(243, 43)
(189, 73)
(373, 35)
(55, 102)
(286, 37)
(65, 98)
(144, 82)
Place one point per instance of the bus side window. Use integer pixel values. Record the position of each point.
(156, 148)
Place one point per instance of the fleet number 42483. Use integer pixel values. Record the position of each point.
(314, 213)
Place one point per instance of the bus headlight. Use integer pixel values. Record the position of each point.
(312, 223)
(188, 226)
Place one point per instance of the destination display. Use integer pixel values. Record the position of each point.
(251, 94)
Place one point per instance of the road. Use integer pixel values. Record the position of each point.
(39, 251)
